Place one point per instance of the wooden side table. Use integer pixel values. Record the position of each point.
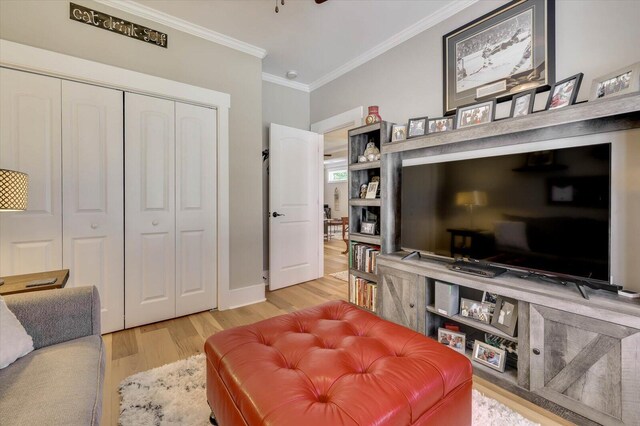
(18, 283)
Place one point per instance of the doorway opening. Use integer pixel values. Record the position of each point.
(336, 189)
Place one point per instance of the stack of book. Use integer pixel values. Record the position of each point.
(362, 292)
(363, 257)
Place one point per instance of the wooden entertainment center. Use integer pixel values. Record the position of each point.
(579, 358)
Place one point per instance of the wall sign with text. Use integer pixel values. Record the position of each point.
(116, 25)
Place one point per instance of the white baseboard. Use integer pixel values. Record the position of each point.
(246, 296)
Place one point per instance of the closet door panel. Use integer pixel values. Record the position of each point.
(31, 241)
(196, 284)
(149, 210)
(93, 216)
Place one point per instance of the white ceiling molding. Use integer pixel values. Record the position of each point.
(404, 35)
(184, 26)
(285, 82)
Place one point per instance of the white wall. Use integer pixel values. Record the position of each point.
(188, 59)
(288, 107)
(593, 37)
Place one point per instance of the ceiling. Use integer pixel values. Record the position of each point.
(320, 42)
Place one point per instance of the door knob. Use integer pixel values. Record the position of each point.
(94, 226)
(411, 305)
(536, 351)
(276, 214)
(155, 223)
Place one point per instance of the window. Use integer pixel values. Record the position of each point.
(336, 176)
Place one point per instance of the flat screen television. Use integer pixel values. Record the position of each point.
(545, 211)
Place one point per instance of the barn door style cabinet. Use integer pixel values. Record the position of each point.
(121, 193)
(585, 364)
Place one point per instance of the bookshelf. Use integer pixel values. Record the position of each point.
(363, 281)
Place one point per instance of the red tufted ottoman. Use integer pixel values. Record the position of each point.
(334, 364)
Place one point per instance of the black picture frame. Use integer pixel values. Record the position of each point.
(505, 315)
(462, 116)
(530, 95)
(432, 124)
(564, 101)
(524, 19)
(413, 128)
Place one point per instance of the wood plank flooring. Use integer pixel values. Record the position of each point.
(142, 348)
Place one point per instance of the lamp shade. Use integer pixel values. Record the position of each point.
(471, 198)
(13, 190)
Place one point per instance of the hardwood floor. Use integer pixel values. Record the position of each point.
(142, 348)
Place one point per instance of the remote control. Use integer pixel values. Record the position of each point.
(629, 294)
(38, 283)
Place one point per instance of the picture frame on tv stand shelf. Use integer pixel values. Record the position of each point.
(505, 315)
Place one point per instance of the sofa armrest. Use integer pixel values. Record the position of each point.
(56, 316)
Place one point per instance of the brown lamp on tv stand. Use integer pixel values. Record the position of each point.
(14, 189)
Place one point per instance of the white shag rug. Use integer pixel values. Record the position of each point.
(175, 394)
(342, 275)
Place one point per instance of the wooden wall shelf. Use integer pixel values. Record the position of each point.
(604, 115)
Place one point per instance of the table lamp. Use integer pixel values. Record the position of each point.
(471, 199)
(14, 187)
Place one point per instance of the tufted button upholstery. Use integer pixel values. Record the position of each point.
(334, 364)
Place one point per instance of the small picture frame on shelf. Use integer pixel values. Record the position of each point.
(488, 355)
(522, 103)
(368, 227)
(473, 309)
(372, 190)
(564, 92)
(452, 339)
(398, 132)
(619, 82)
(417, 127)
(505, 315)
(441, 124)
(476, 114)
(490, 299)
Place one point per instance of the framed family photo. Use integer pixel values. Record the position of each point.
(507, 51)
(522, 103)
(452, 339)
(488, 355)
(564, 92)
(441, 124)
(417, 127)
(616, 83)
(398, 132)
(479, 311)
(475, 114)
(372, 190)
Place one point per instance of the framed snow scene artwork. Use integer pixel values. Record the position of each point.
(504, 52)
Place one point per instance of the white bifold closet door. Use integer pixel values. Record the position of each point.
(150, 238)
(93, 216)
(170, 209)
(196, 283)
(31, 241)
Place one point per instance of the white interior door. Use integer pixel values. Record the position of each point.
(31, 241)
(92, 175)
(150, 290)
(295, 219)
(196, 284)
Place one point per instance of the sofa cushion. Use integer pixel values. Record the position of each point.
(14, 340)
(55, 385)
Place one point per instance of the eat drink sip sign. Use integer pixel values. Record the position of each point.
(116, 25)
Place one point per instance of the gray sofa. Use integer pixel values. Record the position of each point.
(60, 382)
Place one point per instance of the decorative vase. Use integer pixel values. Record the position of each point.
(373, 116)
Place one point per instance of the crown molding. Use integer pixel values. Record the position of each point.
(285, 82)
(184, 26)
(399, 38)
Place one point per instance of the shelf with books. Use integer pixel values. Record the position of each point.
(364, 238)
(361, 274)
(363, 292)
